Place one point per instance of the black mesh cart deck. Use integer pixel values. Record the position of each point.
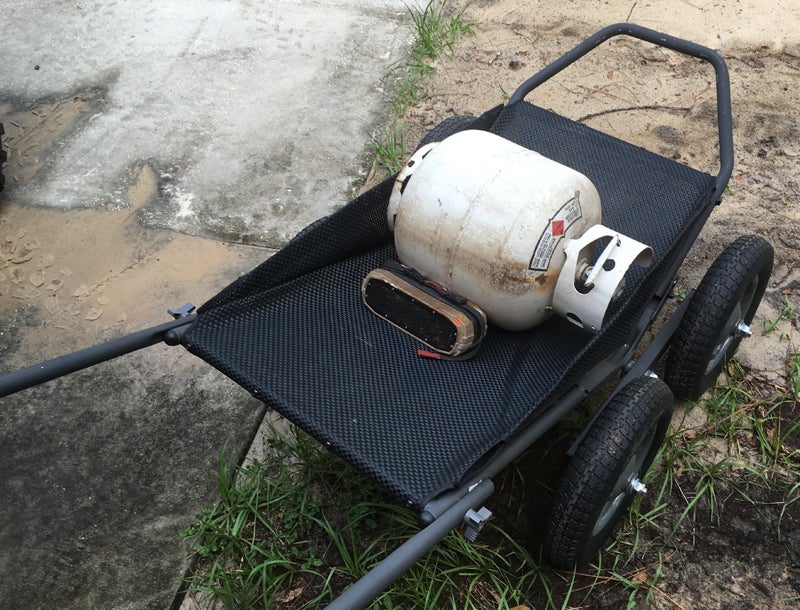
(295, 333)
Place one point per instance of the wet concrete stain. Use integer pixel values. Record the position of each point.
(35, 129)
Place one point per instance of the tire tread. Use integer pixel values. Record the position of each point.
(599, 459)
(712, 304)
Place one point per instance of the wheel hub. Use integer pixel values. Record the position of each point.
(628, 483)
(735, 328)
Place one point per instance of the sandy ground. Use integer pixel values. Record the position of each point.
(89, 274)
(662, 101)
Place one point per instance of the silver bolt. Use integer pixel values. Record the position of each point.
(637, 486)
(743, 330)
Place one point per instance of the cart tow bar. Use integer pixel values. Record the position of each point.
(168, 333)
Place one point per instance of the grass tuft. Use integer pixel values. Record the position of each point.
(390, 151)
(435, 30)
(294, 529)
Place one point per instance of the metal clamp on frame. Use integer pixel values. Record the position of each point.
(583, 293)
(474, 521)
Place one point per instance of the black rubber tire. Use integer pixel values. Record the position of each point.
(448, 127)
(596, 488)
(708, 335)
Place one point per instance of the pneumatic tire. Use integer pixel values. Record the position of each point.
(718, 316)
(607, 472)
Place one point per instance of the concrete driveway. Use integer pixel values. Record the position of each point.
(157, 150)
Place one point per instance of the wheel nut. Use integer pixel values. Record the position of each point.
(638, 487)
(743, 330)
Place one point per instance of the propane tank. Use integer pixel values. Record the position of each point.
(490, 220)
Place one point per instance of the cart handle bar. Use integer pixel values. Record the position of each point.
(724, 119)
(63, 365)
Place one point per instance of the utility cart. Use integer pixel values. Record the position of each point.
(295, 333)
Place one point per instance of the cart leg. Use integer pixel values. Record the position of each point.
(369, 586)
(58, 367)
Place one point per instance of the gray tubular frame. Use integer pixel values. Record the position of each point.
(724, 118)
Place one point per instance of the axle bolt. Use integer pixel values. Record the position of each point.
(637, 487)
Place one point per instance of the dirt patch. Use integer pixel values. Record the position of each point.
(85, 275)
(33, 131)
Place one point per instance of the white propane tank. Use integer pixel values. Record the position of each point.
(489, 219)
(513, 231)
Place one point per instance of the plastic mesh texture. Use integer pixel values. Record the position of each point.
(295, 333)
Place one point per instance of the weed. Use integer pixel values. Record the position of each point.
(793, 373)
(785, 314)
(435, 34)
(679, 294)
(390, 152)
(410, 89)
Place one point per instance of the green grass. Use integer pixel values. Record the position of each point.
(294, 528)
(258, 532)
(390, 151)
(435, 31)
(785, 314)
(792, 372)
(749, 441)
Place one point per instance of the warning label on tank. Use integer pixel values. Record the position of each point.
(554, 231)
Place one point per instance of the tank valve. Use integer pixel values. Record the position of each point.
(583, 292)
